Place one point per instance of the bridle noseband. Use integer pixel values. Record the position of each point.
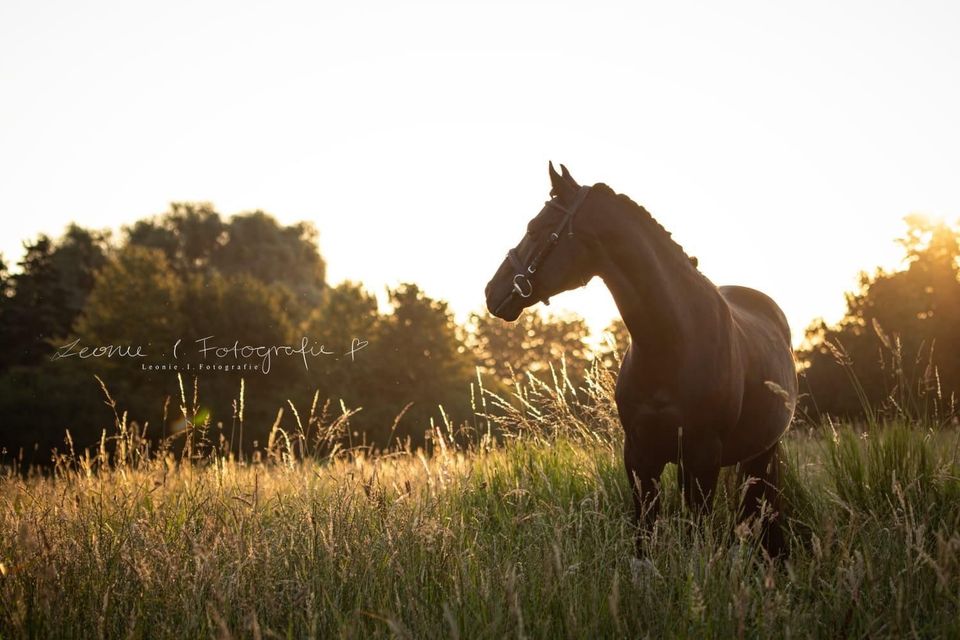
(523, 278)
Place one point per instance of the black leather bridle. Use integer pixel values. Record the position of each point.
(523, 278)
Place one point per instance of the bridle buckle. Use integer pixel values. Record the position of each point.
(517, 279)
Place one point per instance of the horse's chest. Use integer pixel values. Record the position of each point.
(654, 420)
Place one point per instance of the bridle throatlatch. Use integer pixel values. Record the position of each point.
(523, 278)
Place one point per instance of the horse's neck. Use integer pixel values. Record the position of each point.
(661, 296)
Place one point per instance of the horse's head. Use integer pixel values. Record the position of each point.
(553, 256)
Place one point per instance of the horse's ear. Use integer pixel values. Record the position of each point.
(555, 179)
(562, 186)
(568, 178)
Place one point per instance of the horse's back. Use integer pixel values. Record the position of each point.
(763, 342)
(756, 307)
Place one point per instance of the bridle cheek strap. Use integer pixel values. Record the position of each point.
(523, 276)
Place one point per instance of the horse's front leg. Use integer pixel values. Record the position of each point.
(643, 471)
(697, 472)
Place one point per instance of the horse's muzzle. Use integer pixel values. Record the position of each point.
(507, 306)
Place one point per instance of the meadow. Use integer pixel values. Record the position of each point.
(523, 536)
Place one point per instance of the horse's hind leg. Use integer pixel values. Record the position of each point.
(762, 498)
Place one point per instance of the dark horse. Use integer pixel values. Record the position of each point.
(709, 378)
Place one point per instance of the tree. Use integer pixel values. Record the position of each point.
(195, 240)
(140, 299)
(346, 313)
(188, 235)
(42, 301)
(530, 345)
(6, 284)
(132, 300)
(136, 299)
(418, 358)
(901, 329)
(258, 246)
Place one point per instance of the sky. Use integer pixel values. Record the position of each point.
(782, 144)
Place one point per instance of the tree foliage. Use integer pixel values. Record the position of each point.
(42, 300)
(531, 345)
(407, 361)
(190, 278)
(900, 336)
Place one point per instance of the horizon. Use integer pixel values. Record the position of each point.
(783, 148)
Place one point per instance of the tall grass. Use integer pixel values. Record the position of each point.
(527, 536)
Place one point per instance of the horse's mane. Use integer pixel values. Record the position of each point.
(660, 233)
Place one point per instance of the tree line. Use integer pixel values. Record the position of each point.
(189, 274)
(192, 277)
